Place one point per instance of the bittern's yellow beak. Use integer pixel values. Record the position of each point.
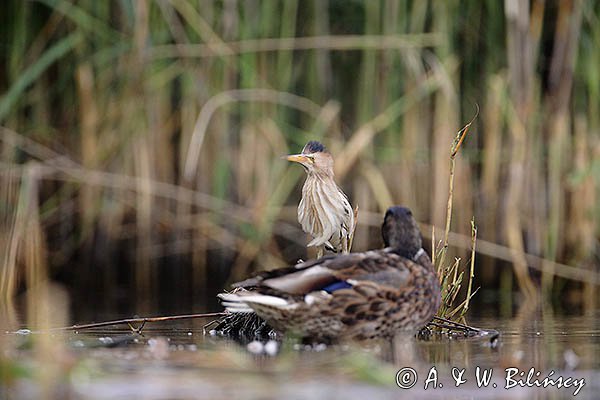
(299, 158)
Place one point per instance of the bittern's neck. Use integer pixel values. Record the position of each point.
(321, 175)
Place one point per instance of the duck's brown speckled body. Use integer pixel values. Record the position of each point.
(355, 296)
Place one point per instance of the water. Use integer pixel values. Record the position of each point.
(176, 361)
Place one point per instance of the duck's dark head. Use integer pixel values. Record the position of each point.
(400, 231)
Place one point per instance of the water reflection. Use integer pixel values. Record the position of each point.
(176, 360)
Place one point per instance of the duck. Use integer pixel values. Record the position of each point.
(356, 296)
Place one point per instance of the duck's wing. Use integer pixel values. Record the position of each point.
(335, 272)
(260, 277)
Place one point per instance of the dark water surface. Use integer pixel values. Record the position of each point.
(177, 361)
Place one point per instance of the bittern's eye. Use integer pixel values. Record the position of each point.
(311, 158)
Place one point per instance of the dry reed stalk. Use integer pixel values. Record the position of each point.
(142, 321)
(88, 117)
(323, 75)
(450, 282)
(434, 246)
(246, 163)
(521, 78)
(335, 42)
(284, 62)
(388, 60)
(173, 23)
(558, 127)
(445, 116)
(143, 156)
(199, 242)
(449, 276)
(196, 235)
(472, 271)
(144, 208)
(560, 84)
(50, 305)
(580, 234)
(491, 166)
(11, 234)
(353, 229)
(454, 148)
(367, 104)
(30, 242)
(361, 194)
(465, 196)
(415, 137)
(144, 221)
(265, 174)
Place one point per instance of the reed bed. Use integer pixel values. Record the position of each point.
(141, 141)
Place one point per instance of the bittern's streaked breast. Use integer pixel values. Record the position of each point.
(324, 210)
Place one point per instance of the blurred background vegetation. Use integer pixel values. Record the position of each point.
(140, 141)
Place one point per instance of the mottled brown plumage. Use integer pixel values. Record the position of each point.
(357, 296)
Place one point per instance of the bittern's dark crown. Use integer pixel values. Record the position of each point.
(314, 147)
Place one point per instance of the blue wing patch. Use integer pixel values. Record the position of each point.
(332, 287)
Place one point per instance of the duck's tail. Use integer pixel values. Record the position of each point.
(242, 301)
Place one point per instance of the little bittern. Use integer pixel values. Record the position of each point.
(367, 295)
(324, 210)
